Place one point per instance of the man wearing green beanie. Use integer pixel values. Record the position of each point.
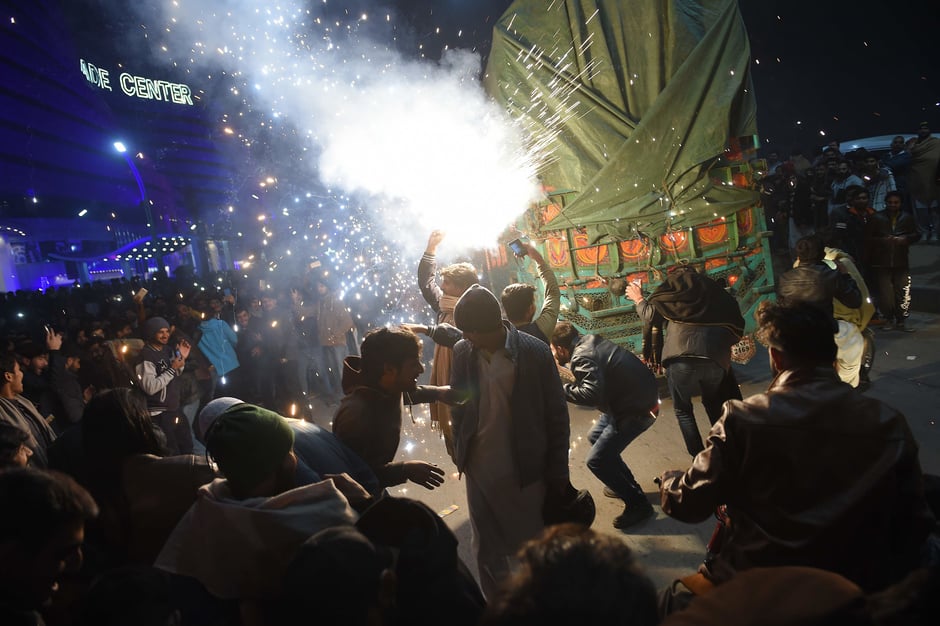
(241, 533)
(263, 468)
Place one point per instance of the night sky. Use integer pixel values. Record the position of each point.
(848, 68)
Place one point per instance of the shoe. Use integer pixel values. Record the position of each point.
(887, 326)
(903, 328)
(610, 493)
(633, 514)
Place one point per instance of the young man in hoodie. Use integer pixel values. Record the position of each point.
(369, 417)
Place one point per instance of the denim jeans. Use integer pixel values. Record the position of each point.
(332, 371)
(688, 377)
(608, 441)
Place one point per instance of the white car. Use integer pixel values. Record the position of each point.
(879, 146)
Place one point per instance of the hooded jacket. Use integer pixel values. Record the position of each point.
(369, 421)
(240, 549)
(218, 343)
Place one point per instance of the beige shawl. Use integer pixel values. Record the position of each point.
(440, 376)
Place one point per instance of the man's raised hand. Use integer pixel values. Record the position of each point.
(53, 339)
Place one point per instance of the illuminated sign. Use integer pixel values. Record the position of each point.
(138, 86)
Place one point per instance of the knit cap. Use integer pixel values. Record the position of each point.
(477, 311)
(212, 411)
(153, 325)
(249, 443)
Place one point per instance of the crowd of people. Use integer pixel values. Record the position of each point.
(158, 467)
(871, 206)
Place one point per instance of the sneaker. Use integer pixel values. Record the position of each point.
(610, 493)
(633, 514)
(888, 326)
(901, 326)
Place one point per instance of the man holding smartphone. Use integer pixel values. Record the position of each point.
(157, 370)
(518, 299)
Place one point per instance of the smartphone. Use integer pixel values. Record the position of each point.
(518, 248)
(227, 291)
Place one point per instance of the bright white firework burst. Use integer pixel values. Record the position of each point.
(419, 139)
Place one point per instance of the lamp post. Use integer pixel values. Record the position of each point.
(122, 150)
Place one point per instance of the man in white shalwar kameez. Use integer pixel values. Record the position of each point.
(511, 433)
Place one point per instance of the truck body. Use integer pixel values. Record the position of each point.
(644, 117)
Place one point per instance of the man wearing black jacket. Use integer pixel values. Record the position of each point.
(890, 236)
(816, 283)
(704, 322)
(158, 368)
(623, 389)
(369, 418)
(70, 398)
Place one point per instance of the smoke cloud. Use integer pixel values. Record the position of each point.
(418, 140)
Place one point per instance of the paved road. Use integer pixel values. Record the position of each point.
(906, 374)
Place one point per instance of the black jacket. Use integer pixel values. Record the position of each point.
(610, 379)
(69, 401)
(883, 249)
(817, 285)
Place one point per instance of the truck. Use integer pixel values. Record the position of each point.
(645, 117)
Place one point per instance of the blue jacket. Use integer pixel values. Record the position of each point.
(540, 425)
(319, 452)
(218, 344)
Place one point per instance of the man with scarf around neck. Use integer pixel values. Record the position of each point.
(812, 472)
(455, 280)
(17, 411)
(369, 417)
(518, 301)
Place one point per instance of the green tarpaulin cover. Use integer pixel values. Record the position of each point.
(632, 101)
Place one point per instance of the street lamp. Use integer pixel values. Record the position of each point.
(122, 149)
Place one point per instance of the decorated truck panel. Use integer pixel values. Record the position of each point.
(644, 116)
